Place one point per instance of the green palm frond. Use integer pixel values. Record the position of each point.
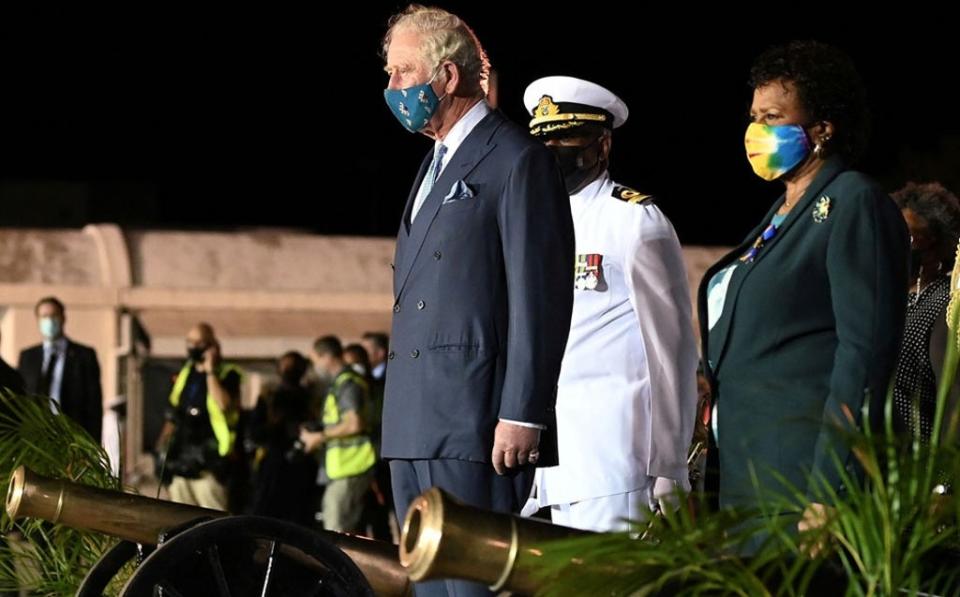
(48, 559)
(886, 534)
(676, 554)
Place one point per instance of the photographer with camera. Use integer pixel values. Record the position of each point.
(350, 455)
(284, 476)
(198, 436)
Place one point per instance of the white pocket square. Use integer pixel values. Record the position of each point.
(458, 192)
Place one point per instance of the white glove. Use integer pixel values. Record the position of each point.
(530, 508)
(669, 493)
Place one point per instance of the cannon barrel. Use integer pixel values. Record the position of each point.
(144, 520)
(443, 538)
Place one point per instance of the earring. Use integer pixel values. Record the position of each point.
(820, 146)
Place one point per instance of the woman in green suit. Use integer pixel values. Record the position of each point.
(801, 323)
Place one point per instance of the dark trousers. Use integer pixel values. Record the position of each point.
(376, 514)
(474, 483)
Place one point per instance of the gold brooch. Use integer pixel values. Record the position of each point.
(821, 210)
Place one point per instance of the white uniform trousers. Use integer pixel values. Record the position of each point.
(610, 513)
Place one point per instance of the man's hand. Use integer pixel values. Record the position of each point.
(514, 446)
(311, 440)
(211, 356)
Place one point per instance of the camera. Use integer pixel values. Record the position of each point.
(298, 449)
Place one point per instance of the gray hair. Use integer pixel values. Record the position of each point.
(443, 36)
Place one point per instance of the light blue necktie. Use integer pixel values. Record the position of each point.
(428, 181)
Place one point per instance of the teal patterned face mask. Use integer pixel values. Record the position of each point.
(413, 106)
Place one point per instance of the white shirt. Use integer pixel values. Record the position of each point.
(58, 347)
(451, 143)
(460, 130)
(627, 395)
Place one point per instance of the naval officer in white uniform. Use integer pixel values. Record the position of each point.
(627, 393)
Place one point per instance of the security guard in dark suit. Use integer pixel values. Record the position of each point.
(64, 370)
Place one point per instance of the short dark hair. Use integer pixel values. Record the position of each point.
(941, 210)
(298, 363)
(329, 345)
(359, 353)
(50, 300)
(379, 339)
(828, 86)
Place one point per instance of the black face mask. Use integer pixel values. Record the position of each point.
(572, 163)
(195, 353)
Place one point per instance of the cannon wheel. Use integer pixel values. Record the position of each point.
(240, 556)
(108, 566)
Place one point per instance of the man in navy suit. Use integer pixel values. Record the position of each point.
(483, 299)
(64, 370)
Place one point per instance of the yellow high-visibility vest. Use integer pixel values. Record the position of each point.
(224, 424)
(346, 456)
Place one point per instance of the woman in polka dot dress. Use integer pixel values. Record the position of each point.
(933, 216)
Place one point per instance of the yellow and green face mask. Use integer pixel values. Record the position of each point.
(775, 150)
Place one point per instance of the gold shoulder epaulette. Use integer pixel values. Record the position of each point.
(630, 195)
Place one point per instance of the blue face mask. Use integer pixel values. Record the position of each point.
(50, 328)
(413, 106)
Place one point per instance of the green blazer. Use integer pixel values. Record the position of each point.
(809, 330)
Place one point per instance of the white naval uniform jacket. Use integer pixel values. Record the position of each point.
(626, 402)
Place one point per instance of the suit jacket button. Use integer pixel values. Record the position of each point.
(391, 355)
(421, 305)
(414, 353)
(396, 308)
(437, 255)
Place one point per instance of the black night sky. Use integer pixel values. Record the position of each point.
(275, 116)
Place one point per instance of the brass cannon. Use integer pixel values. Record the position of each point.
(443, 538)
(187, 550)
